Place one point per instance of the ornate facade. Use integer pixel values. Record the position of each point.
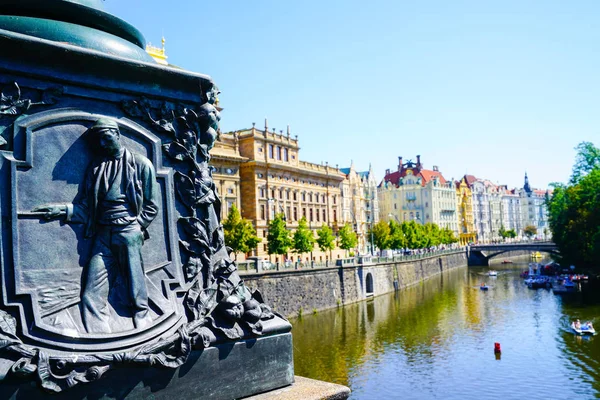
(274, 180)
(533, 209)
(226, 161)
(360, 205)
(464, 201)
(415, 193)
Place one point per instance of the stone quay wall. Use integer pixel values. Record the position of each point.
(294, 292)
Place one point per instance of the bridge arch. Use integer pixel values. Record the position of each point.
(481, 254)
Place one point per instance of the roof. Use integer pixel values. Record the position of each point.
(426, 176)
(470, 179)
(345, 170)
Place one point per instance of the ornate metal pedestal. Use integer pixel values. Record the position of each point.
(115, 278)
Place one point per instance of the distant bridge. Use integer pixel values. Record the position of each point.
(481, 254)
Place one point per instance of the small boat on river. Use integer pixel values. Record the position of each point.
(483, 287)
(493, 273)
(584, 329)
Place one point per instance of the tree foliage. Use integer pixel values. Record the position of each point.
(348, 238)
(380, 232)
(574, 211)
(279, 237)
(239, 233)
(587, 160)
(396, 236)
(530, 231)
(304, 241)
(325, 238)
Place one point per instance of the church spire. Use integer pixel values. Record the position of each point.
(526, 186)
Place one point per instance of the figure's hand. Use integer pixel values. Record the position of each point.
(52, 211)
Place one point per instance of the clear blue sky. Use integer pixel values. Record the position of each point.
(492, 89)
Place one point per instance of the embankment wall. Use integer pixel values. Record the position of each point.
(293, 292)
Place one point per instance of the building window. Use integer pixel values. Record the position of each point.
(310, 214)
(272, 193)
(334, 215)
(230, 190)
(281, 194)
(264, 247)
(303, 196)
(287, 213)
(304, 212)
(323, 198)
(265, 233)
(294, 195)
(295, 213)
(334, 199)
(310, 197)
(262, 192)
(287, 194)
(279, 152)
(286, 155)
(260, 150)
(324, 216)
(270, 151)
(262, 211)
(318, 217)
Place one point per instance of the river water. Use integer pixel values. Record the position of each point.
(436, 341)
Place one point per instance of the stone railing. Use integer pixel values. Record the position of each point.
(254, 267)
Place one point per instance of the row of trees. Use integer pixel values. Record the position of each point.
(574, 210)
(410, 235)
(240, 235)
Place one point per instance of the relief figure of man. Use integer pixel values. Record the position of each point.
(116, 204)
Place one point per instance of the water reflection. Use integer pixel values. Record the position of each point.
(436, 340)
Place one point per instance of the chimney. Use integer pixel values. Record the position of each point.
(399, 163)
(387, 172)
(418, 161)
(435, 168)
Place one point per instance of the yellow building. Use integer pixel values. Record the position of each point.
(274, 180)
(464, 201)
(226, 161)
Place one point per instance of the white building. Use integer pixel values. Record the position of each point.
(360, 205)
(413, 193)
(533, 209)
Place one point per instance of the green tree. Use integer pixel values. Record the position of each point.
(574, 211)
(413, 233)
(396, 236)
(304, 241)
(381, 235)
(239, 233)
(503, 232)
(325, 238)
(511, 233)
(348, 238)
(530, 231)
(447, 236)
(587, 160)
(279, 237)
(432, 235)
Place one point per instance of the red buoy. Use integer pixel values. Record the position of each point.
(497, 348)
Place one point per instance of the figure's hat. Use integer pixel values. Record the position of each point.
(104, 124)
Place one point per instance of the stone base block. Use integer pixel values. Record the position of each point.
(226, 371)
(306, 389)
